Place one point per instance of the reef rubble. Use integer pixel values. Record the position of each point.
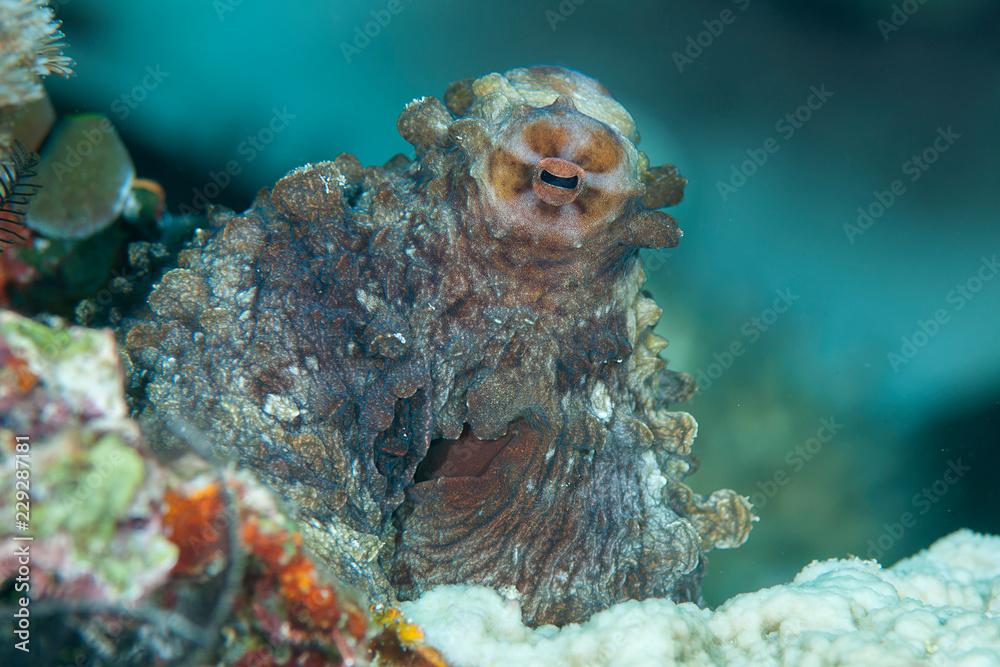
(125, 559)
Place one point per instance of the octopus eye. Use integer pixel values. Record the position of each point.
(557, 178)
(568, 183)
(557, 181)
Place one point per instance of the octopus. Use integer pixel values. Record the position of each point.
(446, 364)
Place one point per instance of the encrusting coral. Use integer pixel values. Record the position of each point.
(447, 363)
(134, 562)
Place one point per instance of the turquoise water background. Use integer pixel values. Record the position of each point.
(849, 360)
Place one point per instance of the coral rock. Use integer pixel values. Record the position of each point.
(936, 608)
(119, 541)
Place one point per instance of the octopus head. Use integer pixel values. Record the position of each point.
(557, 179)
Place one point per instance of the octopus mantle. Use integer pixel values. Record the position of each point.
(446, 364)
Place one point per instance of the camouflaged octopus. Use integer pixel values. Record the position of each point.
(446, 364)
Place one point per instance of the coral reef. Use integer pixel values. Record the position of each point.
(446, 364)
(80, 235)
(940, 607)
(136, 562)
(83, 236)
(30, 48)
(17, 169)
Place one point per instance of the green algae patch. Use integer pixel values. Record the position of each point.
(90, 493)
(50, 342)
(88, 497)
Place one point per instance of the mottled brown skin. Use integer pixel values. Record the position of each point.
(447, 364)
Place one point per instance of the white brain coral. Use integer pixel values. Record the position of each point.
(940, 607)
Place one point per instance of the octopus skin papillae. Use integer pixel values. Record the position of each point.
(445, 364)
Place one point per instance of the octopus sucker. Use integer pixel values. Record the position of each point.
(445, 364)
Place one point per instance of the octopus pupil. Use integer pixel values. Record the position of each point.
(568, 183)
